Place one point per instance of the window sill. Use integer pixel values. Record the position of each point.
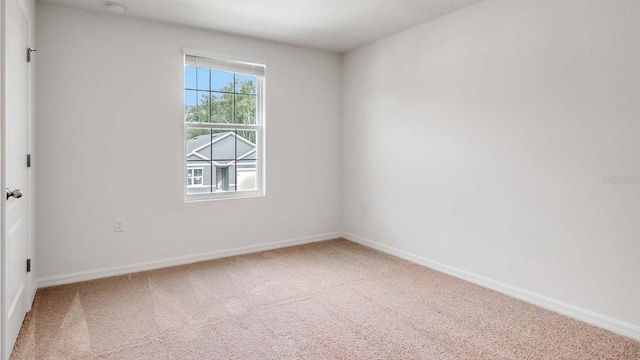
(223, 196)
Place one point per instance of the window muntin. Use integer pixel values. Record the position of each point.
(224, 127)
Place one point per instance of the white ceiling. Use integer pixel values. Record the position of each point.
(337, 25)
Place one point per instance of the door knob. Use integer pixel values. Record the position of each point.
(15, 193)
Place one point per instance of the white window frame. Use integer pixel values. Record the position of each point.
(193, 177)
(228, 63)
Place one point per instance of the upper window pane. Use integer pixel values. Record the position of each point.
(203, 79)
(231, 98)
(245, 84)
(190, 98)
(221, 81)
(189, 77)
(191, 106)
(204, 106)
(221, 108)
(197, 106)
(245, 109)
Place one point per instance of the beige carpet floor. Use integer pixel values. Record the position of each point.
(329, 300)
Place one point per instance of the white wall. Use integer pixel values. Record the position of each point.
(110, 144)
(480, 141)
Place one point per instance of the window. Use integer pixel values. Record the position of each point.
(224, 127)
(194, 176)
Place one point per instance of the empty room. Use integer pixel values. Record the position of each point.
(305, 179)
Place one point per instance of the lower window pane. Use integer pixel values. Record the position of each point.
(198, 177)
(223, 148)
(248, 137)
(221, 161)
(246, 175)
(224, 178)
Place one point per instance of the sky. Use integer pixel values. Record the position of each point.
(197, 79)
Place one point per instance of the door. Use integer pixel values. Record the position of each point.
(14, 168)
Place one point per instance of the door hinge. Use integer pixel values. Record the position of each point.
(28, 160)
(29, 50)
(28, 265)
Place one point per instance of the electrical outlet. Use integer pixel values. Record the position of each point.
(119, 225)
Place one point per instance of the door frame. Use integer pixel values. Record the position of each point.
(27, 10)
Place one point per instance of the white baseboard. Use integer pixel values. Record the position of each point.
(151, 265)
(32, 293)
(590, 317)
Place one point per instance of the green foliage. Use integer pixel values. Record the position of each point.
(249, 135)
(220, 105)
(225, 107)
(191, 132)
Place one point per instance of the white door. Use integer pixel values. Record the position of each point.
(14, 167)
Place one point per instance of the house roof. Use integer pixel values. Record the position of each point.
(221, 148)
(202, 140)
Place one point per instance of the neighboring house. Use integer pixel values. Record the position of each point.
(220, 162)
